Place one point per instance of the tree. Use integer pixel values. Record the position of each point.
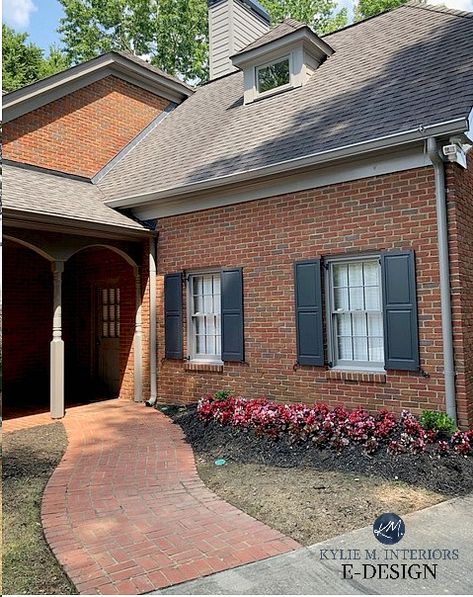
(321, 15)
(23, 62)
(370, 8)
(172, 34)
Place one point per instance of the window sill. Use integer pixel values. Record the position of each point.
(360, 376)
(213, 367)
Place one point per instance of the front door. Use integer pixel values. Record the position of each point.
(108, 340)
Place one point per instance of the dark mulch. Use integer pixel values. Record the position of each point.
(450, 474)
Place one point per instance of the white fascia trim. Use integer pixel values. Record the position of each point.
(458, 125)
(42, 92)
(396, 160)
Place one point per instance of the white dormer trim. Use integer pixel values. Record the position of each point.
(306, 52)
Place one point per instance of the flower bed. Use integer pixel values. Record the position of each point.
(334, 428)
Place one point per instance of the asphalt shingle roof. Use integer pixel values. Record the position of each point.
(37, 192)
(392, 73)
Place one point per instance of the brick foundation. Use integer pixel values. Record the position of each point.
(265, 237)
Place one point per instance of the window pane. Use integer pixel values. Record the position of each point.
(340, 274)
(200, 344)
(341, 298)
(376, 349)
(359, 324)
(355, 271)
(345, 349)
(371, 273)
(344, 324)
(356, 298)
(198, 304)
(360, 346)
(197, 284)
(375, 324)
(210, 344)
(372, 298)
(274, 75)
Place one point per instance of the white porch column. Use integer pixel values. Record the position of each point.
(57, 346)
(152, 321)
(137, 339)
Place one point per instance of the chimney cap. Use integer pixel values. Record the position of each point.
(253, 5)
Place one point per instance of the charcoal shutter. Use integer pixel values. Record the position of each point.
(173, 315)
(401, 336)
(233, 348)
(308, 298)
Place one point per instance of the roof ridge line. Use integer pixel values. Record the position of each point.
(462, 14)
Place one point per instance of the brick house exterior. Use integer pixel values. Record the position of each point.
(212, 191)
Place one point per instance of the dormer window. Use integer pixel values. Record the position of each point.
(273, 76)
(280, 60)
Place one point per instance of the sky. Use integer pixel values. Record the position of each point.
(40, 18)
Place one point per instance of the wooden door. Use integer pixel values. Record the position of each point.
(108, 340)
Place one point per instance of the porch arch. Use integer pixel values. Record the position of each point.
(29, 245)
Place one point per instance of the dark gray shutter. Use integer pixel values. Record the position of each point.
(233, 345)
(309, 327)
(173, 315)
(401, 336)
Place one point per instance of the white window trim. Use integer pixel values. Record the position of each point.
(280, 88)
(192, 358)
(363, 366)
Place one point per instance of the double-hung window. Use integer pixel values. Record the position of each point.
(204, 317)
(355, 313)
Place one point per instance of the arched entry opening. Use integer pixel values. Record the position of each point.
(27, 314)
(99, 323)
(72, 333)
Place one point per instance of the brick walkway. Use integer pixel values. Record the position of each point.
(125, 511)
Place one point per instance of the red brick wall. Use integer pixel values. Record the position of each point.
(460, 212)
(81, 132)
(265, 237)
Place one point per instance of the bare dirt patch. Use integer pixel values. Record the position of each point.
(309, 505)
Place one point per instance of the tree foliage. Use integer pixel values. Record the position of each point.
(321, 15)
(370, 8)
(173, 34)
(23, 62)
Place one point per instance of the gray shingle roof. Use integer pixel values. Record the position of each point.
(388, 74)
(48, 194)
(285, 28)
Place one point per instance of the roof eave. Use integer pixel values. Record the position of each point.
(23, 218)
(452, 127)
(44, 91)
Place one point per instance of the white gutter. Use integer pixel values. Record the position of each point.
(444, 267)
(450, 127)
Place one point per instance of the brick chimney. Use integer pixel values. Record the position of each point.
(233, 24)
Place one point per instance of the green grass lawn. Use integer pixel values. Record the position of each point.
(29, 458)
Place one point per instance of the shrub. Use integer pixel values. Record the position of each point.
(437, 421)
(222, 394)
(334, 428)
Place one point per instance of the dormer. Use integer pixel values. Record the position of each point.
(282, 59)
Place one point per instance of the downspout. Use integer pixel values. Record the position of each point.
(444, 266)
(152, 323)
